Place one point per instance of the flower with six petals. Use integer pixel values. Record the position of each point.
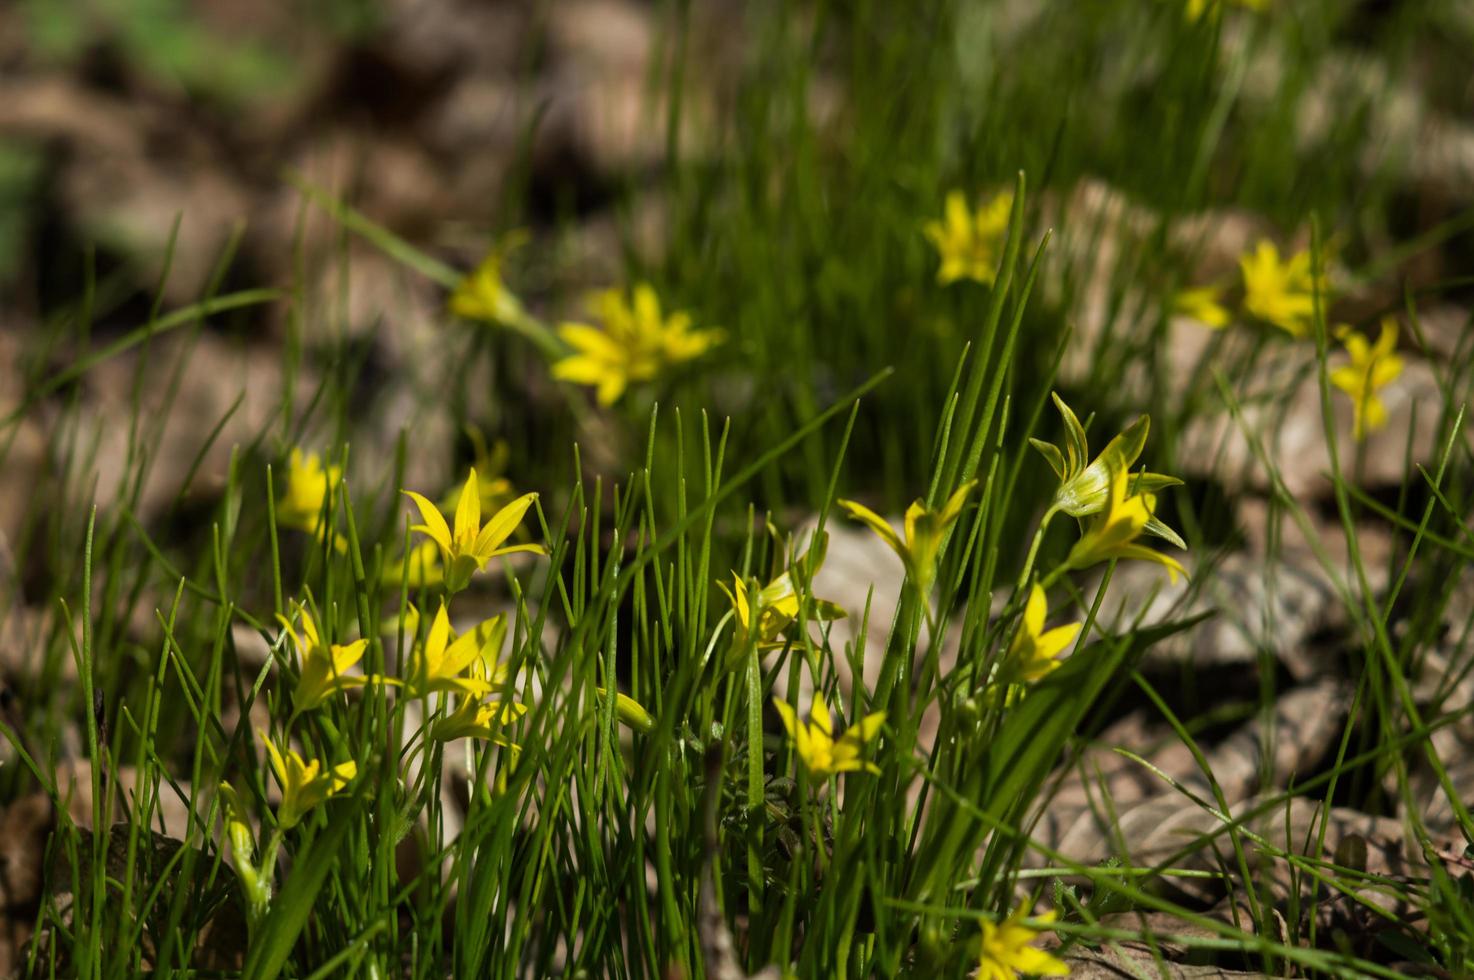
(636, 343)
(468, 548)
(820, 751)
(970, 244)
(1280, 293)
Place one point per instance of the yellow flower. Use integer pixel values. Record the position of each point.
(630, 712)
(490, 463)
(1112, 532)
(1197, 8)
(636, 344)
(1032, 654)
(1372, 367)
(969, 244)
(323, 667)
(1006, 952)
(777, 606)
(482, 295)
(304, 503)
(1083, 489)
(442, 660)
(303, 785)
(1281, 293)
(478, 719)
(924, 532)
(421, 568)
(471, 546)
(817, 747)
(1201, 304)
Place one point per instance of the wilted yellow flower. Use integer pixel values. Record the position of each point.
(304, 503)
(1281, 293)
(482, 295)
(1083, 489)
(1112, 532)
(303, 785)
(821, 752)
(636, 343)
(777, 606)
(442, 661)
(478, 719)
(471, 546)
(1006, 952)
(323, 667)
(1201, 304)
(1032, 654)
(630, 712)
(1372, 367)
(924, 532)
(970, 245)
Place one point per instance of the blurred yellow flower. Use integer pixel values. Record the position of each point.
(1032, 654)
(303, 785)
(925, 529)
(636, 343)
(323, 667)
(1112, 532)
(970, 245)
(482, 295)
(1197, 8)
(304, 503)
(1202, 305)
(1371, 368)
(820, 751)
(478, 719)
(490, 464)
(1006, 952)
(442, 661)
(471, 546)
(421, 568)
(1281, 293)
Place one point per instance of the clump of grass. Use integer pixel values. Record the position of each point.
(588, 724)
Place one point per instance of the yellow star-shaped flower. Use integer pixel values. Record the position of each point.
(1006, 953)
(323, 667)
(970, 245)
(820, 751)
(1281, 292)
(468, 548)
(1371, 368)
